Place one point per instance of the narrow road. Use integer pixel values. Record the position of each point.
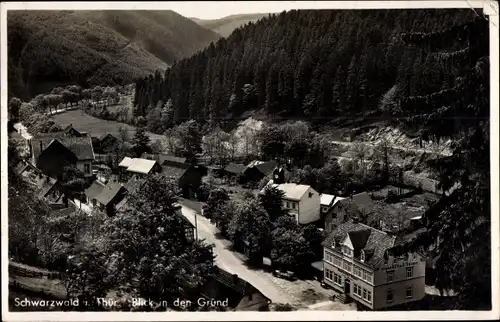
(228, 260)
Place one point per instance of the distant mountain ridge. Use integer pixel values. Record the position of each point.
(225, 26)
(52, 48)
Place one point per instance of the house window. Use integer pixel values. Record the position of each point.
(390, 296)
(288, 205)
(337, 279)
(357, 290)
(189, 233)
(365, 294)
(337, 261)
(409, 292)
(369, 296)
(409, 272)
(86, 168)
(347, 266)
(328, 274)
(294, 205)
(357, 271)
(390, 276)
(346, 251)
(367, 276)
(328, 257)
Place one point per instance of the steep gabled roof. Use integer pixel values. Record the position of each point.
(44, 185)
(266, 168)
(174, 171)
(143, 166)
(163, 158)
(373, 241)
(94, 190)
(235, 168)
(80, 146)
(291, 191)
(359, 238)
(109, 192)
(41, 141)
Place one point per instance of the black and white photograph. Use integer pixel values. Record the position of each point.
(212, 157)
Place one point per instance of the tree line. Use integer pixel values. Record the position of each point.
(260, 226)
(145, 243)
(315, 65)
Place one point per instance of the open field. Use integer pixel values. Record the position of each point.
(95, 126)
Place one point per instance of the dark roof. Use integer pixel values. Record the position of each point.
(44, 139)
(359, 238)
(267, 167)
(235, 168)
(109, 192)
(376, 243)
(44, 185)
(69, 128)
(163, 158)
(175, 170)
(80, 146)
(94, 190)
(21, 167)
(108, 136)
(178, 212)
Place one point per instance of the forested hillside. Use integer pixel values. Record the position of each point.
(309, 64)
(53, 48)
(225, 26)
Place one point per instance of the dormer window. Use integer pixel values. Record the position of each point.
(334, 244)
(362, 257)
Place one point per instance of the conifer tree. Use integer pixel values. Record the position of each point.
(458, 226)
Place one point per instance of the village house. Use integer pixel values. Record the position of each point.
(233, 172)
(105, 197)
(138, 167)
(300, 201)
(403, 212)
(187, 176)
(189, 228)
(257, 170)
(46, 188)
(51, 152)
(71, 131)
(327, 203)
(161, 158)
(108, 143)
(358, 265)
(342, 209)
(240, 294)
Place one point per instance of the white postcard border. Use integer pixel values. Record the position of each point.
(490, 8)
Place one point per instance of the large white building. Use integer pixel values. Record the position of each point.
(300, 201)
(357, 263)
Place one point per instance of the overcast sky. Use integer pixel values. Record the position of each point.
(219, 9)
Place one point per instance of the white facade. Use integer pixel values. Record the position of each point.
(306, 210)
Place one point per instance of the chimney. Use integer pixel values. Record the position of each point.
(235, 279)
